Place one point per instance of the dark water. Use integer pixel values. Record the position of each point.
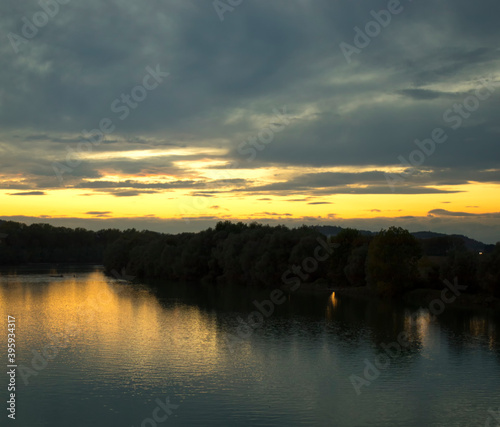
(111, 354)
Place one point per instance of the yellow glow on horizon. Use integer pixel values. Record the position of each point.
(179, 203)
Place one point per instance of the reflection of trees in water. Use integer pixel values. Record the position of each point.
(465, 329)
(350, 321)
(319, 318)
(379, 322)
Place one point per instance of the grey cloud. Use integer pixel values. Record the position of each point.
(446, 213)
(268, 214)
(78, 67)
(159, 186)
(226, 78)
(29, 193)
(98, 213)
(130, 193)
(422, 94)
(319, 203)
(329, 183)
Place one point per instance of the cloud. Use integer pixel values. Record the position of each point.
(131, 193)
(423, 94)
(29, 193)
(330, 183)
(444, 212)
(320, 203)
(106, 214)
(346, 123)
(271, 214)
(216, 70)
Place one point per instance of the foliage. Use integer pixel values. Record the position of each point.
(489, 271)
(43, 243)
(392, 261)
(463, 265)
(256, 254)
(348, 259)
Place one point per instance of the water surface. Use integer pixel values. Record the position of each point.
(113, 348)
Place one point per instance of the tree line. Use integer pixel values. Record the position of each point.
(390, 262)
(43, 243)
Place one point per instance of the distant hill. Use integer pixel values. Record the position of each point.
(470, 244)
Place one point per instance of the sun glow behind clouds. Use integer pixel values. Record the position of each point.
(144, 154)
(206, 185)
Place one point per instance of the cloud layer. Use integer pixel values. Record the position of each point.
(262, 103)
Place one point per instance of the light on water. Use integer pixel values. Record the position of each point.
(93, 351)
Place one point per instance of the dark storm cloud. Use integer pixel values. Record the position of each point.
(227, 77)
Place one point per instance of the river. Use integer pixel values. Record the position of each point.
(92, 350)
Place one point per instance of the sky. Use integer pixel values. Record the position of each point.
(174, 115)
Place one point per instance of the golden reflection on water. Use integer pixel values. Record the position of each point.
(417, 325)
(478, 327)
(333, 300)
(332, 304)
(108, 320)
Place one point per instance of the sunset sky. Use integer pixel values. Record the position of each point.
(277, 111)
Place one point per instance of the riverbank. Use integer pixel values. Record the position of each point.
(418, 297)
(424, 297)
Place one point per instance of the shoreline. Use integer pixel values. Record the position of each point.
(419, 296)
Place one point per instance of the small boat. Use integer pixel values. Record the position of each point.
(56, 275)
